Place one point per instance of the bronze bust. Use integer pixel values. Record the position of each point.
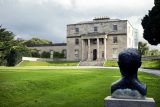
(129, 61)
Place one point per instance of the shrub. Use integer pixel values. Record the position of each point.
(58, 55)
(45, 54)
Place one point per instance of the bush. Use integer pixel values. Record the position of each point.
(58, 55)
(45, 54)
(35, 53)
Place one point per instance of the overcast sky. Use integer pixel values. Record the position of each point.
(47, 19)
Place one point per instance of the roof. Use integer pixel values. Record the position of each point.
(44, 45)
(97, 21)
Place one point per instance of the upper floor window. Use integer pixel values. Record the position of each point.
(77, 30)
(77, 41)
(115, 40)
(115, 27)
(95, 29)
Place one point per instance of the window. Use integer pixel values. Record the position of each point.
(77, 30)
(102, 54)
(115, 50)
(64, 51)
(115, 27)
(101, 41)
(94, 41)
(115, 53)
(76, 53)
(95, 29)
(115, 40)
(77, 41)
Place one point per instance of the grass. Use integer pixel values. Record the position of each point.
(145, 64)
(51, 63)
(151, 64)
(111, 63)
(63, 87)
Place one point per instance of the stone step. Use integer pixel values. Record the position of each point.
(91, 63)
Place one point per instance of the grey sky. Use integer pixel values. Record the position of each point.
(48, 18)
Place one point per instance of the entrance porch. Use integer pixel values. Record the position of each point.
(94, 49)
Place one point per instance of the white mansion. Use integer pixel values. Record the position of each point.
(100, 39)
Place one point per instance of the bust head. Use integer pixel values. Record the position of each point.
(129, 61)
(129, 86)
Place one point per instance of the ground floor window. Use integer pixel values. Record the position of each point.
(115, 52)
(102, 54)
(76, 52)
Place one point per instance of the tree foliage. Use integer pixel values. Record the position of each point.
(151, 25)
(6, 42)
(16, 54)
(45, 54)
(11, 50)
(35, 53)
(143, 48)
(58, 55)
(36, 41)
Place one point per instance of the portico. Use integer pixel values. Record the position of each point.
(93, 47)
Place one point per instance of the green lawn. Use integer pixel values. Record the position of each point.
(151, 64)
(63, 87)
(51, 63)
(111, 63)
(145, 64)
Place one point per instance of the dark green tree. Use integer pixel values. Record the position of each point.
(151, 25)
(143, 48)
(11, 50)
(16, 54)
(6, 43)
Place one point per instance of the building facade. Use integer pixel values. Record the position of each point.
(100, 39)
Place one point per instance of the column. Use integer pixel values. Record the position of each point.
(82, 49)
(105, 48)
(89, 50)
(97, 48)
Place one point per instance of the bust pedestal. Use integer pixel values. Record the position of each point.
(116, 102)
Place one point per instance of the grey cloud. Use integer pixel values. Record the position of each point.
(48, 18)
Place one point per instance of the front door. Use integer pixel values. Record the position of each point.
(94, 54)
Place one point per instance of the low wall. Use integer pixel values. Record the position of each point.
(42, 59)
(150, 57)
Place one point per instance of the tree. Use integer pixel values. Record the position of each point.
(36, 41)
(151, 25)
(154, 52)
(6, 43)
(143, 48)
(11, 50)
(16, 54)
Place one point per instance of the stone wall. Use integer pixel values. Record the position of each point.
(49, 48)
(106, 26)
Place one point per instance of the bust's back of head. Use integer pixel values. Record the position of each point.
(129, 61)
